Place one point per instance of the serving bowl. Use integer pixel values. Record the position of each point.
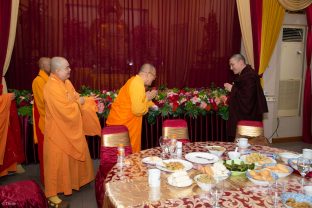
(204, 181)
(279, 169)
(261, 182)
(216, 150)
(285, 156)
(238, 167)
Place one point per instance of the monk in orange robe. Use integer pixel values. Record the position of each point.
(11, 148)
(67, 161)
(39, 109)
(132, 103)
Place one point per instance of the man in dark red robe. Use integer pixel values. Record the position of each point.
(247, 100)
(11, 148)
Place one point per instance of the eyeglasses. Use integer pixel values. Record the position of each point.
(154, 75)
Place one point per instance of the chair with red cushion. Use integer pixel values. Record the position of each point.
(112, 136)
(22, 194)
(253, 130)
(176, 128)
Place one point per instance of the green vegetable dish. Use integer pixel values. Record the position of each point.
(241, 167)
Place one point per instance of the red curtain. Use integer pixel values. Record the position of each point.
(306, 125)
(106, 42)
(256, 22)
(5, 18)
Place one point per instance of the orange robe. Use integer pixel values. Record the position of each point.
(67, 161)
(38, 115)
(128, 109)
(11, 148)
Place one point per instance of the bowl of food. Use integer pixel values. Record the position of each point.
(216, 150)
(238, 167)
(262, 177)
(290, 199)
(279, 169)
(204, 181)
(285, 156)
(258, 158)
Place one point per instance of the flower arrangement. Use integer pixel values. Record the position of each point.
(191, 102)
(171, 102)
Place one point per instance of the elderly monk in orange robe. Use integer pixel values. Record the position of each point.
(11, 148)
(132, 103)
(67, 161)
(39, 109)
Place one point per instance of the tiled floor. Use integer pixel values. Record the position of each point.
(85, 198)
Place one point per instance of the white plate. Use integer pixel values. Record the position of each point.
(243, 158)
(201, 157)
(187, 165)
(151, 160)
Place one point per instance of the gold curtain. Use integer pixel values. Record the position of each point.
(243, 8)
(294, 5)
(13, 22)
(272, 10)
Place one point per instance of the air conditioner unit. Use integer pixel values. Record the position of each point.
(289, 97)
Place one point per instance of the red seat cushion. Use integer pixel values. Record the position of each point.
(175, 123)
(22, 194)
(250, 123)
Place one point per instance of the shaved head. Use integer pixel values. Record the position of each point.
(44, 64)
(57, 63)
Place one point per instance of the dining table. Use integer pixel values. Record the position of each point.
(128, 186)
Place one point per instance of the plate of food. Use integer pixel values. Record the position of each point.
(153, 160)
(217, 171)
(290, 199)
(238, 167)
(262, 177)
(257, 158)
(179, 179)
(201, 157)
(173, 165)
(280, 169)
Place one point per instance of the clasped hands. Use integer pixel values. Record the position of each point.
(228, 86)
(151, 94)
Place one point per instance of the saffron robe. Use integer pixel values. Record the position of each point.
(67, 161)
(246, 100)
(39, 115)
(11, 148)
(128, 109)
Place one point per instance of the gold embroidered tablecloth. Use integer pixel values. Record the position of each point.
(128, 187)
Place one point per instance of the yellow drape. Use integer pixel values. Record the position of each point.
(294, 5)
(272, 20)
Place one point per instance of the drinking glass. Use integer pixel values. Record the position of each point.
(303, 166)
(275, 192)
(172, 147)
(216, 193)
(163, 143)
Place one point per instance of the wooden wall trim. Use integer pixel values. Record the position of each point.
(287, 139)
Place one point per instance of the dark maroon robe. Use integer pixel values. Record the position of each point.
(247, 100)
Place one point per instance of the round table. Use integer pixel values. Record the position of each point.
(128, 187)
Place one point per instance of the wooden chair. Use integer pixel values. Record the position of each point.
(176, 128)
(253, 130)
(112, 136)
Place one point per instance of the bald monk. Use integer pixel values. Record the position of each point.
(67, 161)
(132, 103)
(11, 148)
(39, 109)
